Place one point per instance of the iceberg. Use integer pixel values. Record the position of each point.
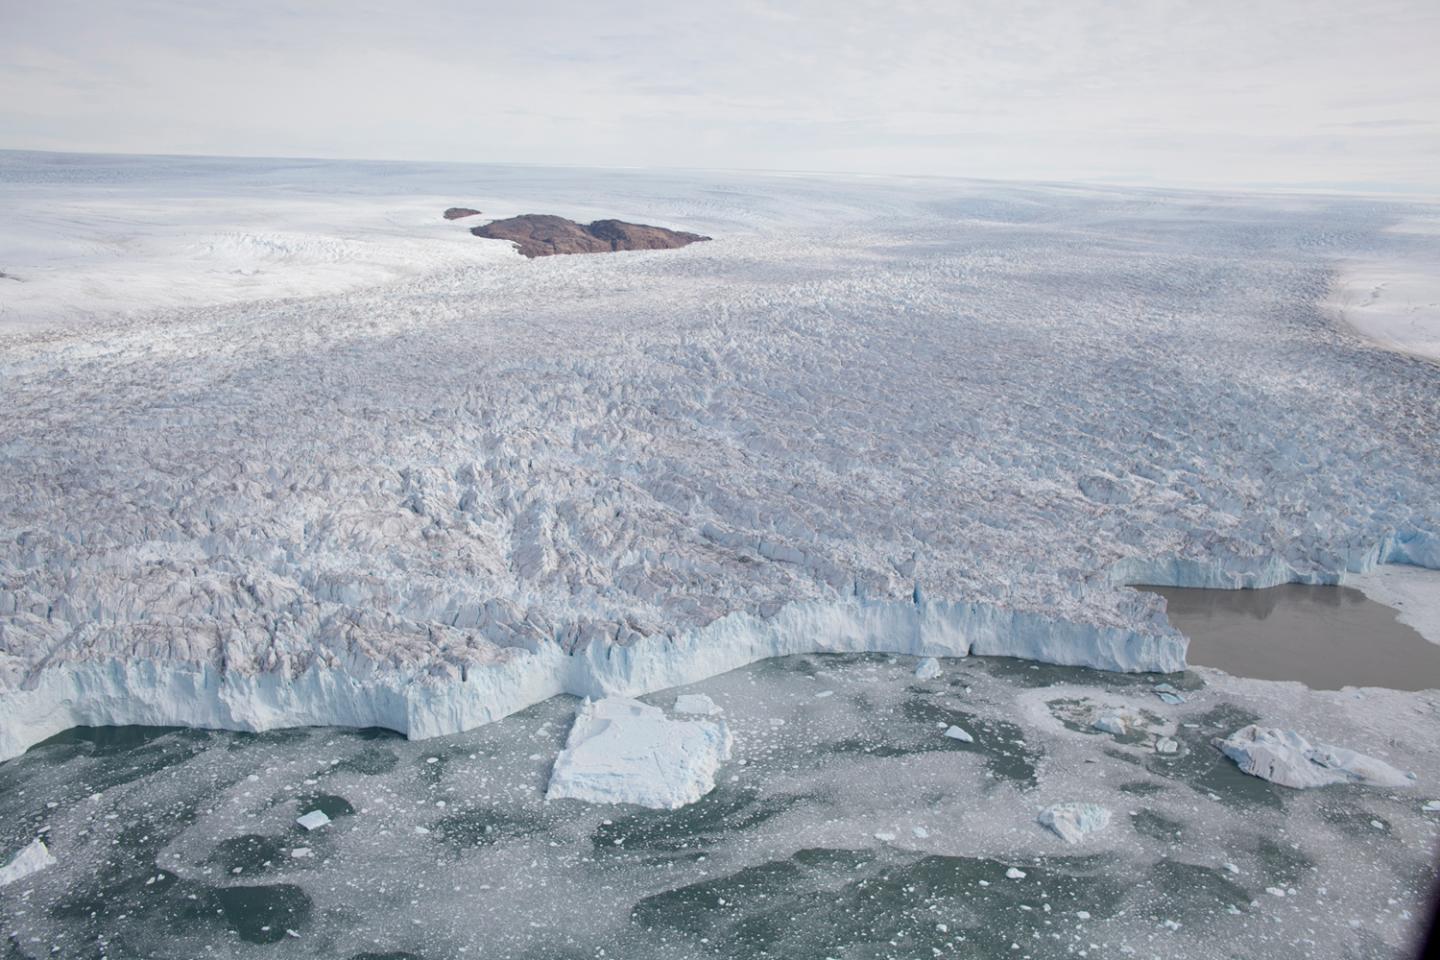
(1071, 822)
(956, 733)
(624, 751)
(697, 704)
(927, 669)
(1287, 758)
(33, 858)
(313, 820)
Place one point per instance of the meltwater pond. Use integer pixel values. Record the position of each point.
(847, 825)
(1326, 637)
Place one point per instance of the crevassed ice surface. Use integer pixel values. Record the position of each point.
(846, 824)
(981, 406)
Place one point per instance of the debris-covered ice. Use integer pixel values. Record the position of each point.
(1073, 821)
(625, 751)
(1287, 758)
(34, 857)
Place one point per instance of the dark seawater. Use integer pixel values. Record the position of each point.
(1324, 637)
(846, 825)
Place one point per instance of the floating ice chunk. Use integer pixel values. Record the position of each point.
(1166, 745)
(1112, 723)
(32, 859)
(1230, 867)
(1014, 873)
(313, 820)
(885, 836)
(1072, 821)
(920, 832)
(300, 853)
(1431, 806)
(1275, 891)
(1168, 694)
(1286, 758)
(927, 669)
(955, 733)
(624, 751)
(824, 693)
(1082, 914)
(698, 704)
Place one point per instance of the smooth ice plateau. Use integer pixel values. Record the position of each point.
(924, 417)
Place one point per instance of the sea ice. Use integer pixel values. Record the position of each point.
(1287, 758)
(624, 751)
(33, 858)
(1072, 821)
(927, 669)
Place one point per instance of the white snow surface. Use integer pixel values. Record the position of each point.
(33, 858)
(624, 751)
(1287, 758)
(1071, 822)
(926, 417)
(1393, 300)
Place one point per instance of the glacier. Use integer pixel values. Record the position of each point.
(923, 417)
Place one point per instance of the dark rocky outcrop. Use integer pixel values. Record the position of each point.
(541, 235)
(456, 213)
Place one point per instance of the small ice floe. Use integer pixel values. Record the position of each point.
(313, 820)
(824, 693)
(1112, 723)
(300, 853)
(1287, 758)
(885, 836)
(920, 832)
(1230, 867)
(1015, 873)
(1166, 745)
(927, 669)
(1431, 806)
(955, 733)
(33, 858)
(1168, 694)
(624, 751)
(697, 704)
(1072, 821)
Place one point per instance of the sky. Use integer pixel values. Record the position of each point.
(1262, 92)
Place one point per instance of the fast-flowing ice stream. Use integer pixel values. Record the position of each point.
(281, 447)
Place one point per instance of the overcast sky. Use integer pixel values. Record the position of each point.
(1318, 92)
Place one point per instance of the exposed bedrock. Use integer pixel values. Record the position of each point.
(460, 213)
(542, 235)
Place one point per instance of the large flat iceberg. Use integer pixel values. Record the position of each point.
(625, 751)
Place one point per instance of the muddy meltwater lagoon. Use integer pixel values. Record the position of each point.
(1326, 637)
